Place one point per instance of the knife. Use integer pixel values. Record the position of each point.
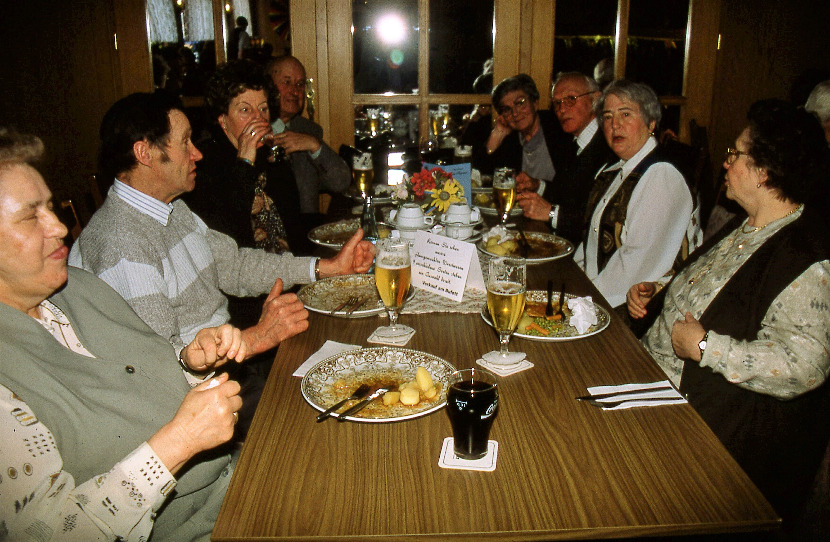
(625, 392)
(361, 405)
(359, 393)
(612, 404)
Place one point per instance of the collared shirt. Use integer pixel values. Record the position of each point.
(55, 322)
(536, 160)
(586, 135)
(658, 218)
(147, 205)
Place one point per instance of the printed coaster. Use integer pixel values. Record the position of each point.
(396, 341)
(448, 460)
(506, 370)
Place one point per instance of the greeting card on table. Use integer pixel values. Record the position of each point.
(444, 266)
(462, 173)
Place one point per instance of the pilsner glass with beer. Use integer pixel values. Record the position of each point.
(472, 405)
(393, 274)
(505, 303)
(504, 191)
(362, 173)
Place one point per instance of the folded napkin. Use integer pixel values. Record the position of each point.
(583, 313)
(633, 395)
(329, 349)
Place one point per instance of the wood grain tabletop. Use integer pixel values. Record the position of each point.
(565, 469)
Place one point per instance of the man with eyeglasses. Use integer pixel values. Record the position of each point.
(523, 137)
(317, 167)
(563, 201)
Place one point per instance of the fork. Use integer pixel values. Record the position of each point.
(612, 404)
(351, 301)
(525, 246)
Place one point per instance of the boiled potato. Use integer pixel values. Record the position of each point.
(431, 392)
(410, 396)
(423, 378)
(391, 397)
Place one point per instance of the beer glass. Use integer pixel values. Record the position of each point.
(393, 273)
(362, 173)
(504, 191)
(472, 405)
(505, 303)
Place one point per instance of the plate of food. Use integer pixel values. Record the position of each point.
(483, 199)
(336, 234)
(347, 296)
(417, 382)
(534, 325)
(543, 247)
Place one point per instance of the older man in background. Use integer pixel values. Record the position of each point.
(317, 167)
(563, 201)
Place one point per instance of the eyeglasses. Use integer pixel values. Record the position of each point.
(570, 101)
(732, 155)
(518, 106)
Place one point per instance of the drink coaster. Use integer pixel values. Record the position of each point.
(391, 341)
(506, 370)
(448, 460)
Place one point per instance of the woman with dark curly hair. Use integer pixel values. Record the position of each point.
(240, 190)
(743, 328)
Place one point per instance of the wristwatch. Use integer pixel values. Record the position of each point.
(702, 344)
(554, 216)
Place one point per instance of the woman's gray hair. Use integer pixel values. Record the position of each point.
(639, 93)
(819, 101)
(16, 148)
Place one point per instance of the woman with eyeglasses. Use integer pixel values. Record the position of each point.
(742, 329)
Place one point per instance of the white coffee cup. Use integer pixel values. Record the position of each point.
(457, 230)
(461, 213)
(410, 215)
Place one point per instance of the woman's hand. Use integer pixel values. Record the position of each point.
(204, 420)
(685, 336)
(500, 131)
(638, 297)
(283, 316)
(356, 256)
(296, 141)
(251, 138)
(533, 205)
(213, 346)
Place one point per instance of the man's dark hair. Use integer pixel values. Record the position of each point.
(142, 116)
(522, 82)
(242, 21)
(232, 79)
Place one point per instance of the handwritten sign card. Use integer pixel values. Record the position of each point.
(444, 266)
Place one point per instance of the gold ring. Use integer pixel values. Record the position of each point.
(235, 418)
(253, 132)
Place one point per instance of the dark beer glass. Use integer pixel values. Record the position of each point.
(472, 405)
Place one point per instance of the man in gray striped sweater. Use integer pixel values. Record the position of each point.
(170, 267)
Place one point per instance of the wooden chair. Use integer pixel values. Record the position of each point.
(70, 218)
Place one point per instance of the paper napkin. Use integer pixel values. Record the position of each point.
(329, 349)
(583, 313)
(630, 393)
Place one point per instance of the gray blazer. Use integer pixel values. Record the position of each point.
(327, 172)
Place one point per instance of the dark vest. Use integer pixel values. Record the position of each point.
(614, 214)
(778, 443)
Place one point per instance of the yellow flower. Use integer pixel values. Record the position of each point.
(446, 195)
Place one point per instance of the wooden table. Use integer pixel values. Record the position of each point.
(566, 470)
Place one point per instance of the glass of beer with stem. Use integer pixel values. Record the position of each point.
(392, 277)
(363, 174)
(504, 191)
(505, 303)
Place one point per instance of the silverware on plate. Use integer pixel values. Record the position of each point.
(361, 405)
(351, 301)
(357, 304)
(359, 393)
(549, 306)
(561, 311)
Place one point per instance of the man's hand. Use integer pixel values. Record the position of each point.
(204, 420)
(355, 257)
(296, 141)
(638, 297)
(526, 183)
(213, 346)
(533, 205)
(283, 316)
(685, 336)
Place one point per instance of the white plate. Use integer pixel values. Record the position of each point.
(335, 234)
(375, 366)
(554, 247)
(491, 211)
(327, 294)
(567, 333)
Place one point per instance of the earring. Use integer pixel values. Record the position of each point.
(758, 185)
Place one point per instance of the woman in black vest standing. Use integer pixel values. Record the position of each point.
(743, 328)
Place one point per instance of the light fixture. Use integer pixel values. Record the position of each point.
(391, 29)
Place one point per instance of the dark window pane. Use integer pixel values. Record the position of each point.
(385, 46)
(657, 44)
(584, 31)
(460, 41)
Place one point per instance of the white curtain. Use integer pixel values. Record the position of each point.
(242, 8)
(198, 20)
(161, 19)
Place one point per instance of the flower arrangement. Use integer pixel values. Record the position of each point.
(434, 190)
